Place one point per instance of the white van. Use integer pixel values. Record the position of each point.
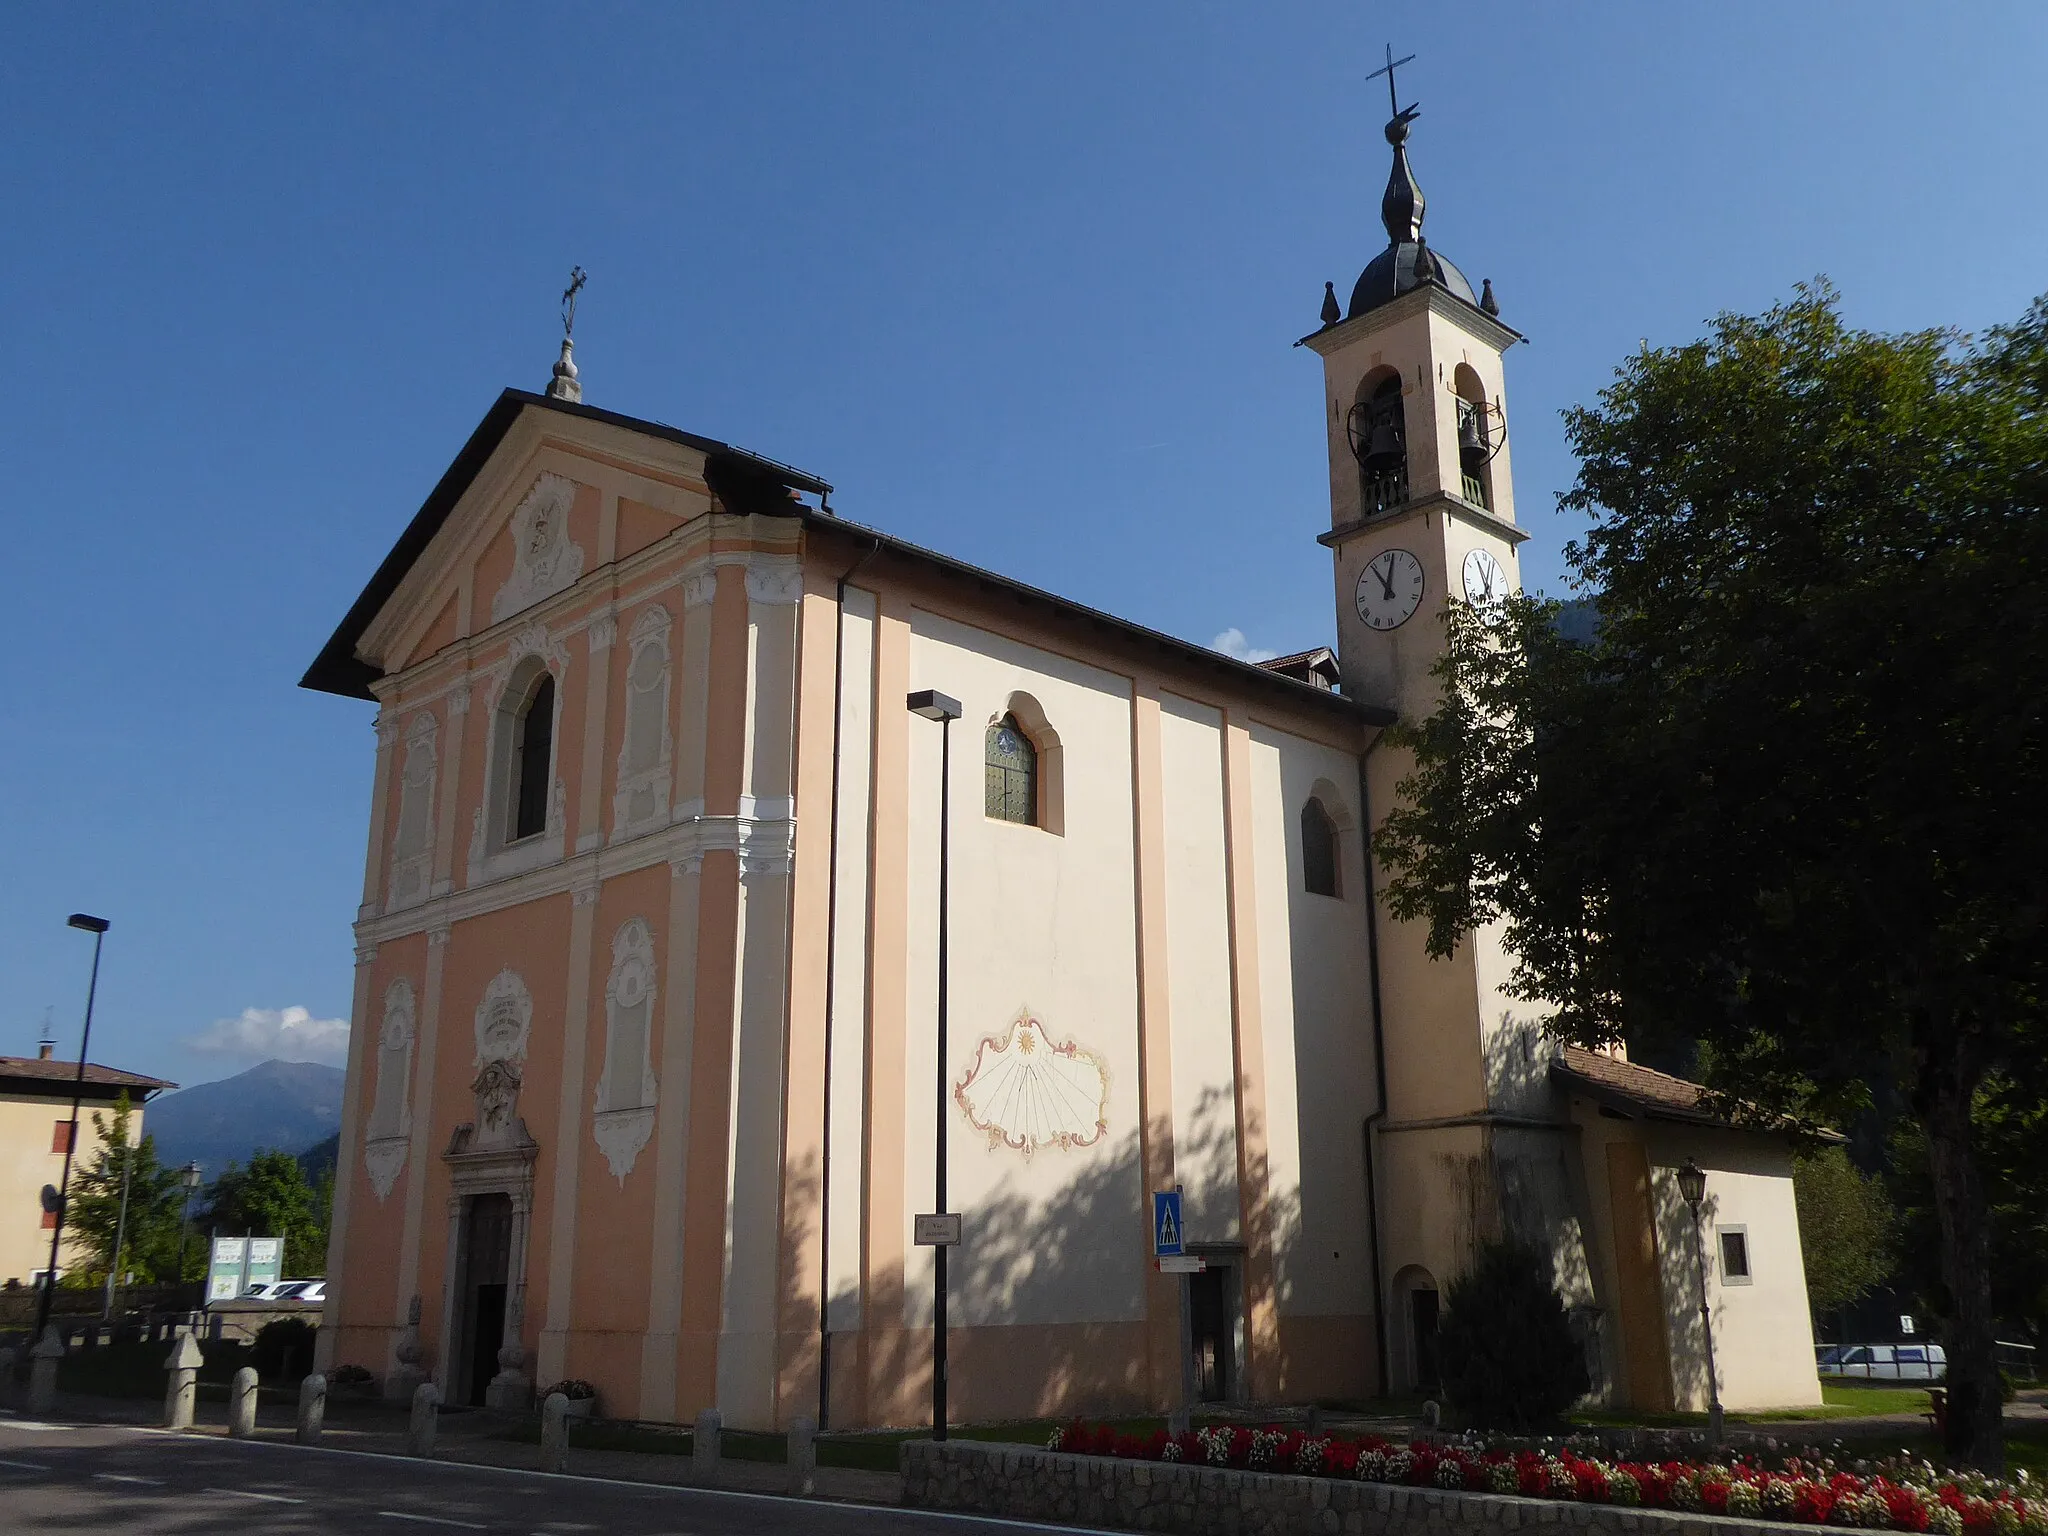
(1884, 1362)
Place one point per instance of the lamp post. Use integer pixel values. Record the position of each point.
(1692, 1185)
(188, 1180)
(97, 927)
(932, 705)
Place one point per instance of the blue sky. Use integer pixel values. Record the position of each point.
(1020, 281)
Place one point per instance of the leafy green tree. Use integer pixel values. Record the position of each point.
(271, 1198)
(149, 1236)
(1846, 1222)
(1504, 1342)
(1786, 801)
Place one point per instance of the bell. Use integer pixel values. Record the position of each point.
(1470, 439)
(1383, 446)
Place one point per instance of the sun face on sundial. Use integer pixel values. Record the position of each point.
(1026, 1091)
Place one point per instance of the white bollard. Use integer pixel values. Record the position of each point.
(426, 1418)
(42, 1370)
(803, 1457)
(242, 1404)
(312, 1409)
(554, 1433)
(183, 1363)
(704, 1447)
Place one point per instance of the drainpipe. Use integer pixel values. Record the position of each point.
(831, 979)
(1374, 1120)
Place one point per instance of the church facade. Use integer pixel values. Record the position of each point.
(644, 1084)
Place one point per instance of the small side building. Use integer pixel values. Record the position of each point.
(35, 1122)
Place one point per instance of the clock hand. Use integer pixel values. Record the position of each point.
(1386, 581)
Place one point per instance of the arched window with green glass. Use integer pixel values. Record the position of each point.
(1012, 773)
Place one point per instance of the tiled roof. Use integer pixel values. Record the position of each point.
(1644, 1092)
(1282, 663)
(35, 1069)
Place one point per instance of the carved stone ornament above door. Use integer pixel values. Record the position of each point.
(544, 558)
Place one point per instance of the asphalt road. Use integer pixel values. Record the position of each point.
(56, 1477)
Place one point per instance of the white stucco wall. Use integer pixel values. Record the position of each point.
(1042, 922)
(1763, 1332)
(1317, 1011)
(1198, 968)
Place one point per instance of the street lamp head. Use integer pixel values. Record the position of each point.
(88, 922)
(189, 1177)
(1692, 1184)
(933, 705)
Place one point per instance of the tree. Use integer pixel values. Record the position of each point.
(1786, 800)
(271, 1198)
(1505, 1344)
(149, 1235)
(1845, 1229)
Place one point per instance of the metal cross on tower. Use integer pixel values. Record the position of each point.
(577, 278)
(1393, 101)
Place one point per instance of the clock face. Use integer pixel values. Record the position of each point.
(1485, 581)
(1389, 589)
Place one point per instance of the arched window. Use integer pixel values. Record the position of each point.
(1379, 437)
(1475, 446)
(533, 751)
(1012, 773)
(1319, 866)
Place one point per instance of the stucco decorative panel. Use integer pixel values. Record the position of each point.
(645, 754)
(503, 1019)
(545, 560)
(412, 847)
(624, 1108)
(1025, 1091)
(390, 1128)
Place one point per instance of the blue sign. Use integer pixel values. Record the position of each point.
(1166, 1227)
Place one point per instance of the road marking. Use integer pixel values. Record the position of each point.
(395, 1514)
(820, 1508)
(33, 1427)
(124, 1477)
(25, 1466)
(250, 1493)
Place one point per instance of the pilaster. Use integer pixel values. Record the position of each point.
(348, 1166)
(551, 1357)
(601, 633)
(448, 785)
(386, 727)
(419, 1157)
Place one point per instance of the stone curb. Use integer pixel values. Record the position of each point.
(1020, 1482)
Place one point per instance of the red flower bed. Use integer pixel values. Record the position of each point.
(1896, 1495)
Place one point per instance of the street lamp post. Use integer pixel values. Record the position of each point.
(97, 927)
(1692, 1185)
(933, 705)
(188, 1180)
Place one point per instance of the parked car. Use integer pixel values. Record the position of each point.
(310, 1291)
(1884, 1362)
(270, 1290)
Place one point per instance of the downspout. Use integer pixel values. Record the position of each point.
(1378, 1116)
(831, 978)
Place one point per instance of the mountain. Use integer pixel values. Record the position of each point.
(286, 1105)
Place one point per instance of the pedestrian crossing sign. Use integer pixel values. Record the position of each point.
(1166, 1227)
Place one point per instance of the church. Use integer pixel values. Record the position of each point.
(728, 859)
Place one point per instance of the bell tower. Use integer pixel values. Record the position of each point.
(1422, 510)
(1422, 503)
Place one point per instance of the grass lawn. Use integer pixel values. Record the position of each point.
(1839, 1400)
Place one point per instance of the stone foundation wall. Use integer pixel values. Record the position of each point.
(1028, 1484)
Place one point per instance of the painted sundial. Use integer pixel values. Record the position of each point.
(1026, 1091)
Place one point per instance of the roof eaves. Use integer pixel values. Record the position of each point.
(1248, 671)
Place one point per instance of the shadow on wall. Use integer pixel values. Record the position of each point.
(1046, 1290)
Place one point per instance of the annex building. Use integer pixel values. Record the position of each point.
(643, 1084)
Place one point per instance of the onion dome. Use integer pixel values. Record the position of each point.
(1407, 262)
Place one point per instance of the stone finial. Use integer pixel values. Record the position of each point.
(1331, 312)
(564, 385)
(1487, 301)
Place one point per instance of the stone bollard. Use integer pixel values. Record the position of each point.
(9, 1357)
(1315, 1420)
(426, 1417)
(312, 1409)
(704, 1447)
(42, 1371)
(803, 1457)
(242, 1404)
(183, 1363)
(554, 1433)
